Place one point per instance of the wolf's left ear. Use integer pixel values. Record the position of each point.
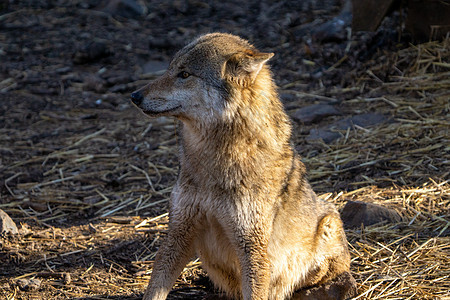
(243, 67)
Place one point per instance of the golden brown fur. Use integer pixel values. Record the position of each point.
(242, 201)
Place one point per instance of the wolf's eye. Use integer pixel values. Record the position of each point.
(184, 75)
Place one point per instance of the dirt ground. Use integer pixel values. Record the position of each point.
(87, 178)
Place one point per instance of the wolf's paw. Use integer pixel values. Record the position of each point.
(340, 288)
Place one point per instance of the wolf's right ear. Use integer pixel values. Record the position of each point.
(243, 67)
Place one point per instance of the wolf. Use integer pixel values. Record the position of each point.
(242, 201)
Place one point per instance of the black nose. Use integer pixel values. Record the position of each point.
(137, 97)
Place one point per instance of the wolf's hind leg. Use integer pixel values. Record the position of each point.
(331, 279)
(332, 246)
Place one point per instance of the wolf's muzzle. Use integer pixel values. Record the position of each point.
(137, 98)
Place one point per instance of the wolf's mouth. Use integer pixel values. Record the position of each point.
(157, 112)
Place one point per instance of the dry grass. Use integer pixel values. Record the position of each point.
(406, 260)
(92, 195)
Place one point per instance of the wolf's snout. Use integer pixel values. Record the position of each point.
(137, 98)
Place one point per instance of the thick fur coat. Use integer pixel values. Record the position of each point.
(242, 201)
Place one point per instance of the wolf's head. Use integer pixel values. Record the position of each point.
(201, 77)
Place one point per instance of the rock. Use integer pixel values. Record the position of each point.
(124, 8)
(7, 224)
(313, 113)
(363, 120)
(366, 120)
(323, 134)
(329, 133)
(342, 287)
(31, 284)
(335, 29)
(90, 52)
(356, 213)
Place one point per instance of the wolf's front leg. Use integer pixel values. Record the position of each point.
(255, 265)
(172, 257)
(255, 274)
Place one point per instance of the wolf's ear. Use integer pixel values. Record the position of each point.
(243, 67)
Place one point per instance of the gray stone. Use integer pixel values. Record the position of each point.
(335, 29)
(363, 120)
(313, 113)
(341, 288)
(90, 52)
(7, 224)
(356, 213)
(323, 134)
(369, 119)
(329, 133)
